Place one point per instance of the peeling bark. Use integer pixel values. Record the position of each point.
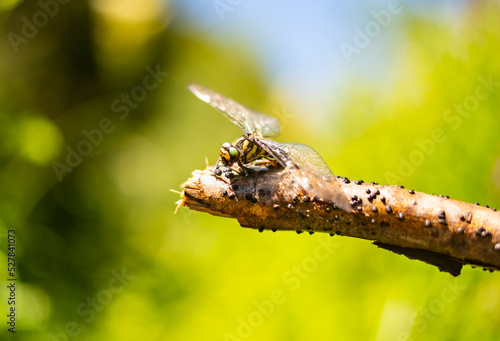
(437, 230)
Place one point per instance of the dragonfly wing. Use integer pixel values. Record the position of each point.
(306, 157)
(247, 120)
(313, 174)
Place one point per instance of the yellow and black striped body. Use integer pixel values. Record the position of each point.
(243, 151)
(250, 151)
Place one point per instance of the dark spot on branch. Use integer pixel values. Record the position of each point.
(479, 230)
(485, 234)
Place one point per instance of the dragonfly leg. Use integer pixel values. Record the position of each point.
(255, 184)
(217, 170)
(245, 170)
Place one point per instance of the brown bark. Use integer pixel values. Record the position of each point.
(437, 230)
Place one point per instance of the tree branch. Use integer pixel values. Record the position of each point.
(437, 230)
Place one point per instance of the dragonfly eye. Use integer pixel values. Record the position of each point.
(228, 154)
(234, 154)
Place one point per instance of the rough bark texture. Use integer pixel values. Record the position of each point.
(437, 230)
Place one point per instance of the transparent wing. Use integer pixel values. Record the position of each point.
(313, 174)
(306, 157)
(247, 120)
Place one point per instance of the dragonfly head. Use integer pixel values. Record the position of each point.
(229, 154)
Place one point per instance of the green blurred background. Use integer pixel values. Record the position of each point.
(100, 254)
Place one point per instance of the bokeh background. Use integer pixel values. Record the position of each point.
(96, 125)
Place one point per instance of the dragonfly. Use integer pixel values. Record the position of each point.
(308, 167)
